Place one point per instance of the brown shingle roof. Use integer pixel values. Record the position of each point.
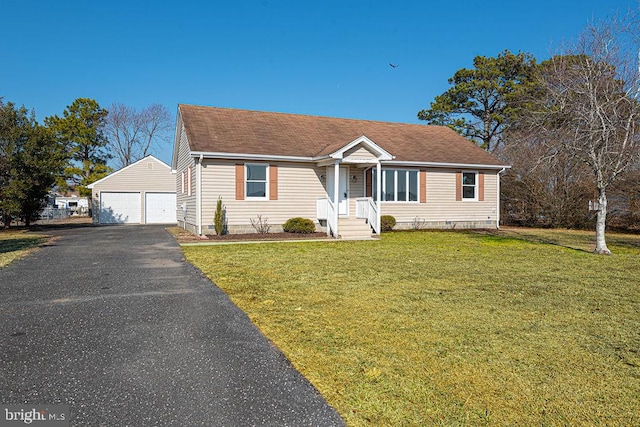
(225, 130)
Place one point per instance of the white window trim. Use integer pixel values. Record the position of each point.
(395, 184)
(182, 181)
(266, 182)
(189, 180)
(475, 186)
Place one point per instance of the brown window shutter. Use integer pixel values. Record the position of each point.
(368, 183)
(273, 182)
(423, 186)
(480, 186)
(239, 182)
(458, 186)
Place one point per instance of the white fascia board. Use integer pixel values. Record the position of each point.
(176, 139)
(243, 156)
(445, 165)
(360, 161)
(354, 162)
(326, 162)
(127, 167)
(382, 153)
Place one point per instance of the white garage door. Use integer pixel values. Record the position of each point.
(160, 208)
(119, 208)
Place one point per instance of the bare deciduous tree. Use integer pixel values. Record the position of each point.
(544, 188)
(592, 110)
(132, 134)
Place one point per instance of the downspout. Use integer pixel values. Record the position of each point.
(199, 194)
(336, 194)
(379, 194)
(498, 198)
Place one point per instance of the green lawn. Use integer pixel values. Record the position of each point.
(16, 244)
(450, 328)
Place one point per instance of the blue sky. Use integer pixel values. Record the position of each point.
(327, 58)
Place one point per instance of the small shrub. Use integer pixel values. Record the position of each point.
(219, 217)
(418, 224)
(260, 225)
(387, 222)
(299, 225)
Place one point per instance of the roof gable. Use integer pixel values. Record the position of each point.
(131, 166)
(256, 133)
(362, 143)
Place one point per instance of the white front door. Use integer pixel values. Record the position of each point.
(343, 189)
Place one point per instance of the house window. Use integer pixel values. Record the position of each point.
(388, 186)
(398, 185)
(189, 183)
(469, 186)
(256, 181)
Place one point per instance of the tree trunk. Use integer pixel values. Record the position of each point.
(90, 205)
(601, 222)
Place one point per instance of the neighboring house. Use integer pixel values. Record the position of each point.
(59, 206)
(73, 202)
(50, 199)
(141, 193)
(341, 173)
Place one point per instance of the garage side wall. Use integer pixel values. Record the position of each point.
(146, 176)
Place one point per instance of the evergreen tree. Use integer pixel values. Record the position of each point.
(81, 131)
(481, 100)
(31, 160)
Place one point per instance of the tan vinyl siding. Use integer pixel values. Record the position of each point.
(140, 177)
(147, 176)
(185, 163)
(359, 153)
(441, 205)
(298, 187)
(356, 189)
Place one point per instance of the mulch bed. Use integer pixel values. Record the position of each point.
(267, 236)
(183, 236)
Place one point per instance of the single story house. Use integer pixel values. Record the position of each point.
(72, 202)
(142, 193)
(341, 173)
(69, 200)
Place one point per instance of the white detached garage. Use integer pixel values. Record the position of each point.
(141, 193)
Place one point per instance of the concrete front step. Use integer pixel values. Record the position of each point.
(351, 228)
(354, 236)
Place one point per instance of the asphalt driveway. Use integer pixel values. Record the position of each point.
(112, 321)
